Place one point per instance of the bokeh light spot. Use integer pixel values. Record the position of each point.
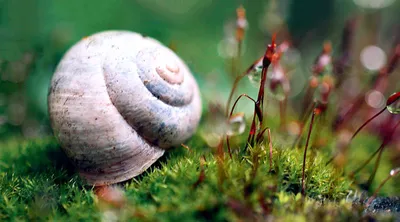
(375, 99)
(374, 4)
(373, 58)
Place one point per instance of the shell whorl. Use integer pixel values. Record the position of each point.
(117, 100)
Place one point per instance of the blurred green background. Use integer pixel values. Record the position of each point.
(34, 34)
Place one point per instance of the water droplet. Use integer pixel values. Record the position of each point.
(278, 84)
(255, 76)
(393, 106)
(277, 90)
(236, 125)
(297, 82)
(394, 172)
(215, 126)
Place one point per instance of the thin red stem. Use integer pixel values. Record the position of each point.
(220, 149)
(352, 174)
(378, 160)
(237, 100)
(382, 76)
(379, 150)
(377, 190)
(260, 135)
(386, 140)
(303, 123)
(393, 173)
(236, 82)
(267, 59)
(303, 185)
(307, 101)
(252, 132)
(357, 131)
(230, 114)
(369, 120)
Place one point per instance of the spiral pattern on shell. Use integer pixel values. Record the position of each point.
(117, 100)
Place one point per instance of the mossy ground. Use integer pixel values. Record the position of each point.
(37, 182)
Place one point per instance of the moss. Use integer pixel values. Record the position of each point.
(37, 182)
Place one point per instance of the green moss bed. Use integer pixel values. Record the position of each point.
(37, 182)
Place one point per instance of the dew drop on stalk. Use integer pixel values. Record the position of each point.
(276, 90)
(215, 126)
(236, 125)
(394, 172)
(296, 81)
(278, 85)
(255, 76)
(393, 103)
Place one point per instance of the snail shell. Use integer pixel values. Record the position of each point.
(117, 101)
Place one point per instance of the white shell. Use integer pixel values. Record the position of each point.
(117, 101)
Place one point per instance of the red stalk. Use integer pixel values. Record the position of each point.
(231, 113)
(303, 185)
